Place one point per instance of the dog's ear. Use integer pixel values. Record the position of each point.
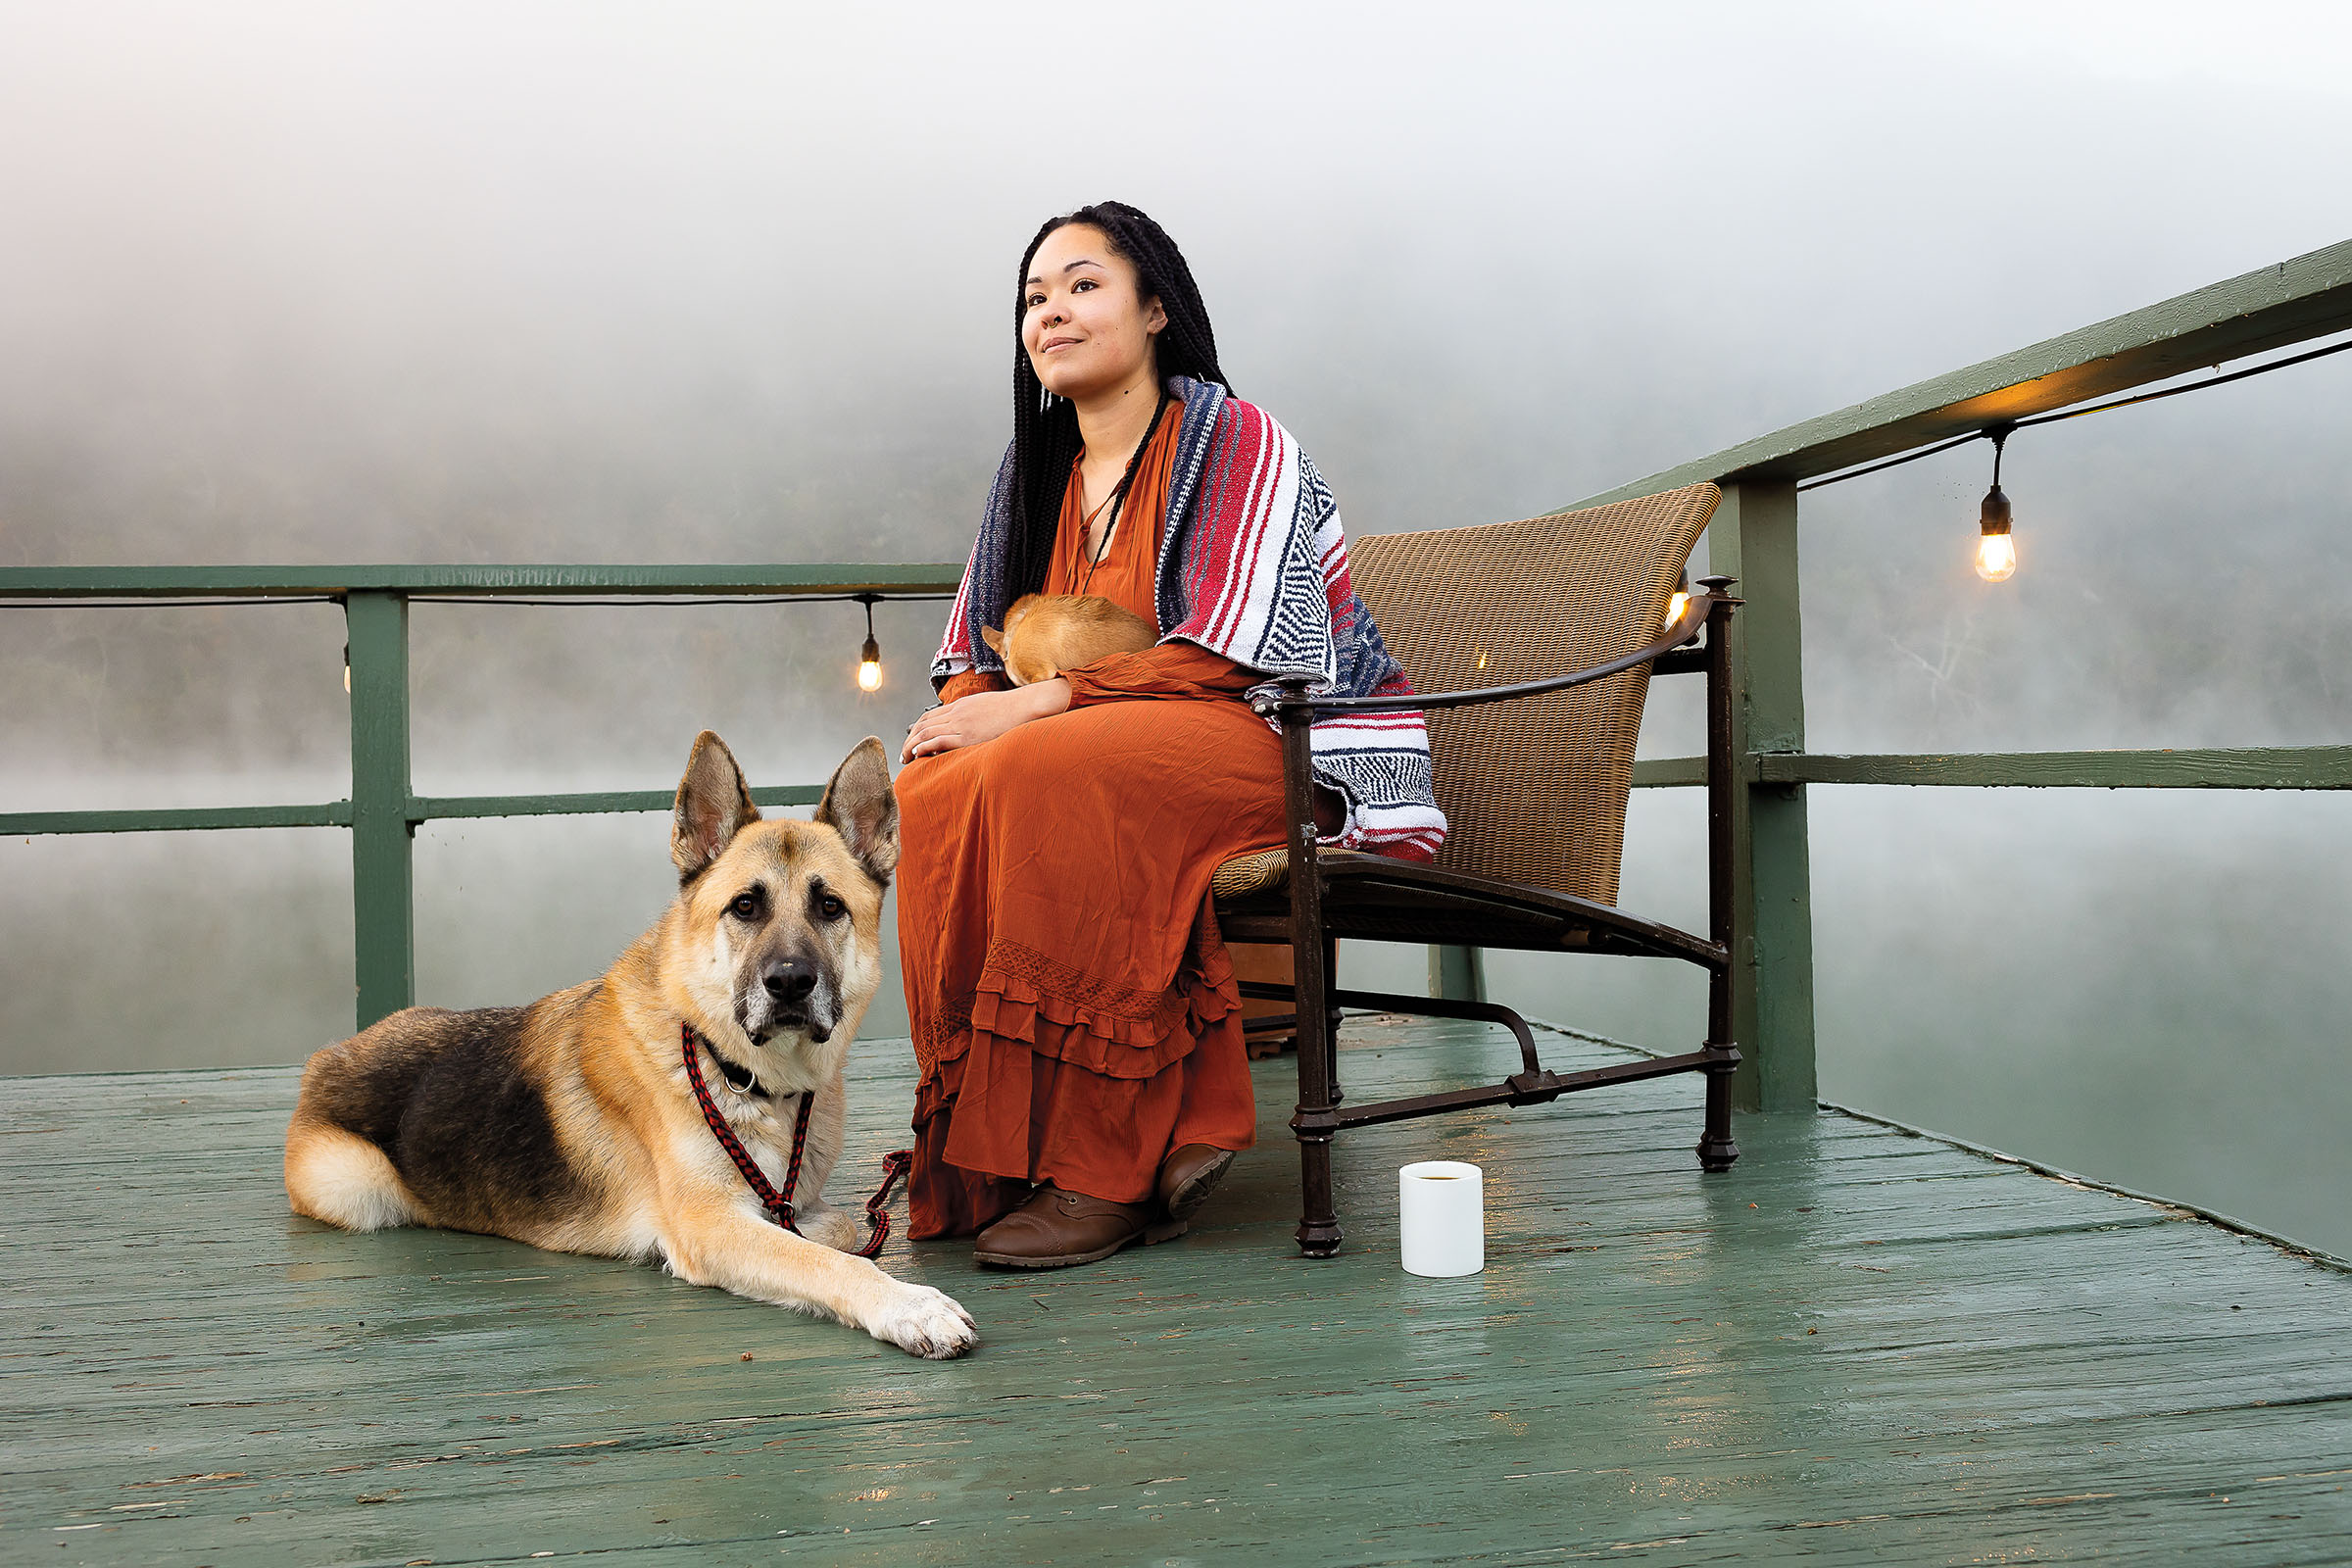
(860, 805)
(713, 806)
(994, 638)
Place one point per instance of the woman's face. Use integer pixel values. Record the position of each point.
(1085, 327)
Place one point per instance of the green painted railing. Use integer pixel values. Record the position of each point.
(383, 811)
(1753, 538)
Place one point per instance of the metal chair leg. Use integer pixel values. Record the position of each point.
(1318, 1116)
(1716, 1150)
(1316, 1120)
(1331, 1021)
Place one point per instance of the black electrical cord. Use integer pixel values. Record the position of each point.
(1895, 463)
(166, 604)
(2176, 391)
(869, 600)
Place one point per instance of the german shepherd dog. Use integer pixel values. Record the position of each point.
(572, 1123)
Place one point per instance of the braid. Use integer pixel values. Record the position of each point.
(1045, 428)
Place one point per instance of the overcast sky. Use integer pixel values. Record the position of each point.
(575, 281)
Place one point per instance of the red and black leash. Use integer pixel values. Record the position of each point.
(778, 1203)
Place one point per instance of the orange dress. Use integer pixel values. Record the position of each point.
(1075, 1016)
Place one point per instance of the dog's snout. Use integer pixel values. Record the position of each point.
(789, 980)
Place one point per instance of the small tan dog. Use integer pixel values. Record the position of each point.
(1046, 634)
(572, 1123)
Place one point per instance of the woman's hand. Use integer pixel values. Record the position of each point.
(983, 716)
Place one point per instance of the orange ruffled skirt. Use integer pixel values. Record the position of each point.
(1074, 1013)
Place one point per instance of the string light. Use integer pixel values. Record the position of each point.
(1996, 547)
(1996, 551)
(1986, 434)
(869, 657)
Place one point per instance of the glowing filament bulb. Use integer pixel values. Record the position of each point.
(1996, 556)
(1675, 606)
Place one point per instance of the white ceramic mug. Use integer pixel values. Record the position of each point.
(1442, 1206)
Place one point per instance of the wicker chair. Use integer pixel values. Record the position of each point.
(1530, 646)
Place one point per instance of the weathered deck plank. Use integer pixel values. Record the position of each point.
(1859, 1346)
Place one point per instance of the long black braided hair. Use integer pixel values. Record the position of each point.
(1044, 427)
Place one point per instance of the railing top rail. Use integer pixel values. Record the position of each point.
(2289, 301)
(488, 581)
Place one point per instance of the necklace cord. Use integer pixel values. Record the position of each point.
(1119, 496)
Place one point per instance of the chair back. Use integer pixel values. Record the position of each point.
(1535, 790)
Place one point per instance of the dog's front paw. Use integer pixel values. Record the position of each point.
(926, 1322)
(829, 1227)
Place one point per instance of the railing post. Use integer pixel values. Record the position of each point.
(1457, 974)
(382, 877)
(1753, 538)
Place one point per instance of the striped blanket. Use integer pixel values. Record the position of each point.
(1253, 565)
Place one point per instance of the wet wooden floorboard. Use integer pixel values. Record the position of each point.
(1859, 1346)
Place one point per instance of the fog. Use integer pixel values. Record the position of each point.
(575, 283)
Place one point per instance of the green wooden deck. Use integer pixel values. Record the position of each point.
(1859, 1346)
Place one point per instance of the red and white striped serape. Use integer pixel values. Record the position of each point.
(1253, 565)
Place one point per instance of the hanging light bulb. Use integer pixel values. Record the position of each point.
(869, 657)
(1996, 550)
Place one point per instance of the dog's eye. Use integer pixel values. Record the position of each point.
(831, 908)
(746, 906)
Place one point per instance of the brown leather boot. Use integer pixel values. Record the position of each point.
(1056, 1229)
(1188, 1176)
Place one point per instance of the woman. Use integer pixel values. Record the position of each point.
(1084, 1084)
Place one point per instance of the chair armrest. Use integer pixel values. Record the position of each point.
(1692, 620)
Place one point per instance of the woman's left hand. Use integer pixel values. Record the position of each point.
(983, 716)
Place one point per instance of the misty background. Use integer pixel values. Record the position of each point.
(610, 283)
